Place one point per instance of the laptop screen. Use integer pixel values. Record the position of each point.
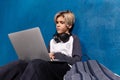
(29, 44)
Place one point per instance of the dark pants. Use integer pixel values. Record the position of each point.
(12, 71)
(44, 70)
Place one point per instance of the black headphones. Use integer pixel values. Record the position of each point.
(64, 37)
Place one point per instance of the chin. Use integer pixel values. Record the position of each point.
(59, 32)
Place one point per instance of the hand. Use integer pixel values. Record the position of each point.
(52, 57)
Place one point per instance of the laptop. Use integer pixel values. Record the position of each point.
(29, 44)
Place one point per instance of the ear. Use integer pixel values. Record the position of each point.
(69, 26)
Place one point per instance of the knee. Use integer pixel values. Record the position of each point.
(38, 63)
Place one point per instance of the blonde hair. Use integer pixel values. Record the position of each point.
(67, 15)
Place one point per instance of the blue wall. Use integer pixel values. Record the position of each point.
(97, 25)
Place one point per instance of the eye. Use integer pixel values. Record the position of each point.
(62, 22)
(56, 22)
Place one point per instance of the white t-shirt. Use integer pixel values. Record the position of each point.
(65, 48)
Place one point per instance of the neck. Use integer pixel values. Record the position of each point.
(67, 32)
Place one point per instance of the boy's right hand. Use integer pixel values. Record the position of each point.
(52, 57)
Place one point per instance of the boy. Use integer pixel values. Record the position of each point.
(64, 47)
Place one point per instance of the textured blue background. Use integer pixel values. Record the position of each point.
(97, 25)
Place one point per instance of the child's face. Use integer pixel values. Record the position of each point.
(61, 26)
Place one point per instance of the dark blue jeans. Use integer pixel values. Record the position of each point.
(45, 70)
(12, 71)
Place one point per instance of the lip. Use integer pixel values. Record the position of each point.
(58, 28)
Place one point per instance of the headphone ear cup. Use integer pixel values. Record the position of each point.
(56, 38)
(64, 37)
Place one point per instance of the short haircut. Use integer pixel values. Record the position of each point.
(68, 15)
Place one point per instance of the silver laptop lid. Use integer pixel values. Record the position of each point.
(29, 44)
